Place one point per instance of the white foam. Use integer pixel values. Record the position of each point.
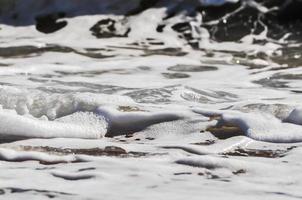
(16, 126)
(260, 126)
(45, 96)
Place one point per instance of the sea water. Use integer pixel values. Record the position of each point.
(150, 99)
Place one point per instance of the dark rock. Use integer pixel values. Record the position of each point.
(49, 24)
(211, 13)
(185, 30)
(237, 25)
(106, 28)
(181, 27)
(160, 28)
(231, 22)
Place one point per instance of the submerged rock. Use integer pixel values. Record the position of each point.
(225, 132)
(175, 75)
(191, 68)
(265, 153)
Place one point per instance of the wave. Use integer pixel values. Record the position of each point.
(89, 33)
(224, 20)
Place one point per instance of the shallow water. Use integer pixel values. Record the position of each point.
(159, 99)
